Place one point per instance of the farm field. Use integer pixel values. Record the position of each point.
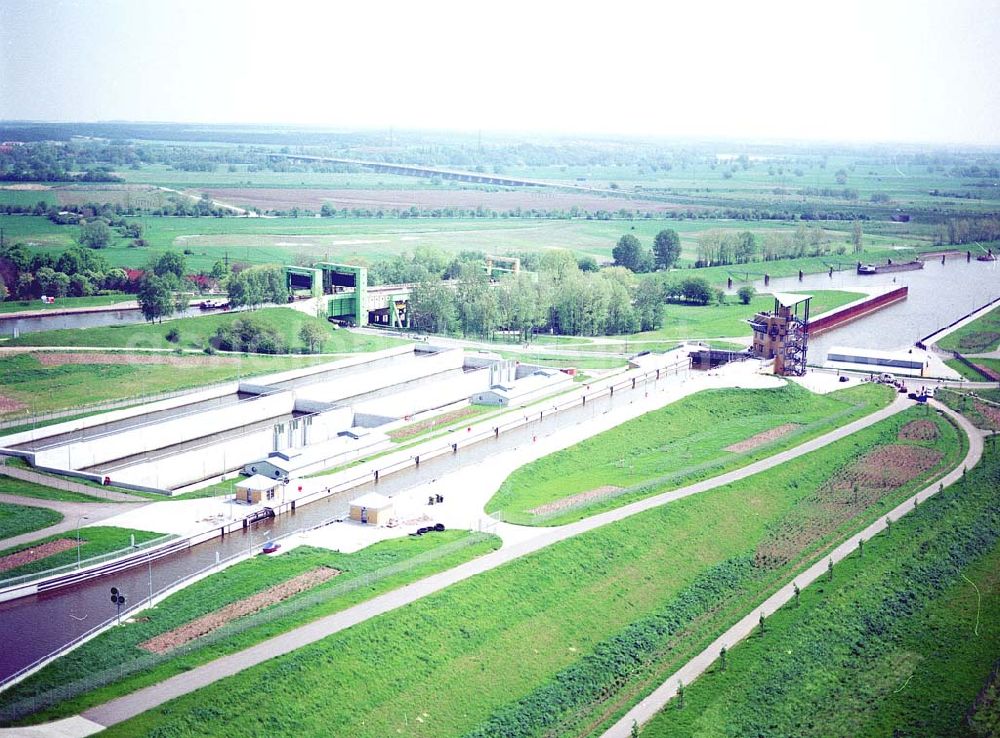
(286, 240)
(39, 382)
(978, 337)
(196, 332)
(579, 628)
(676, 445)
(18, 519)
(94, 541)
(903, 641)
(362, 575)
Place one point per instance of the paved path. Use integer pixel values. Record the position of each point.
(72, 512)
(138, 702)
(651, 705)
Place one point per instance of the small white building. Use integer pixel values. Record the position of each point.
(258, 488)
(372, 509)
(520, 391)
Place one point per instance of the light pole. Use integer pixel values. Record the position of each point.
(79, 520)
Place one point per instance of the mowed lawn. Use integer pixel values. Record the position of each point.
(978, 337)
(18, 519)
(63, 303)
(903, 641)
(94, 541)
(536, 645)
(673, 446)
(196, 332)
(44, 381)
(721, 321)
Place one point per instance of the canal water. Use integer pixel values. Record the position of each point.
(43, 623)
(938, 295)
(11, 326)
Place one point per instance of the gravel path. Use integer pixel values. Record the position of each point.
(123, 708)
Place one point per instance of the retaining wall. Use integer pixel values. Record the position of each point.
(855, 310)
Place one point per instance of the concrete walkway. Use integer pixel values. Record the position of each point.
(123, 708)
(651, 705)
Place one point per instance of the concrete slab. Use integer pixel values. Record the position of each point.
(73, 727)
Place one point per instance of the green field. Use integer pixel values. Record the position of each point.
(722, 321)
(63, 303)
(978, 337)
(985, 415)
(971, 374)
(11, 486)
(18, 519)
(34, 387)
(94, 541)
(196, 332)
(379, 568)
(674, 446)
(594, 618)
(898, 643)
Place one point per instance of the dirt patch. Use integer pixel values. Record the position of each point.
(989, 412)
(918, 430)
(574, 500)
(422, 426)
(284, 199)
(10, 405)
(48, 358)
(29, 555)
(207, 623)
(851, 491)
(762, 438)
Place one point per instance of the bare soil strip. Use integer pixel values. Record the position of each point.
(989, 412)
(10, 405)
(918, 430)
(415, 429)
(47, 358)
(207, 623)
(853, 490)
(761, 438)
(28, 555)
(573, 500)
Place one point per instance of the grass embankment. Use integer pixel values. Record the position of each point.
(971, 374)
(977, 337)
(560, 360)
(575, 630)
(196, 332)
(676, 445)
(898, 643)
(18, 519)
(94, 541)
(981, 407)
(22, 488)
(44, 381)
(363, 575)
(63, 303)
(722, 321)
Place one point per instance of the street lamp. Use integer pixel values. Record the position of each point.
(79, 520)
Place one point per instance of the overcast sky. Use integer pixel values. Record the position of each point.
(835, 70)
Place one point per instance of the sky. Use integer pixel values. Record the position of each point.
(914, 71)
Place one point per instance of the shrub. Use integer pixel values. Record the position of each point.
(173, 335)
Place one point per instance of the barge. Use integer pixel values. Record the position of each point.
(890, 266)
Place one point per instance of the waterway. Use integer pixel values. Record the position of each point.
(11, 326)
(938, 294)
(47, 621)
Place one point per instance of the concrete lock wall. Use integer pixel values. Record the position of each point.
(90, 421)
(340, 389)
(453, 388)
(194, 465)
(165, 433)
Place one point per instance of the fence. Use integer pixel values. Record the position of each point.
(133, 664)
